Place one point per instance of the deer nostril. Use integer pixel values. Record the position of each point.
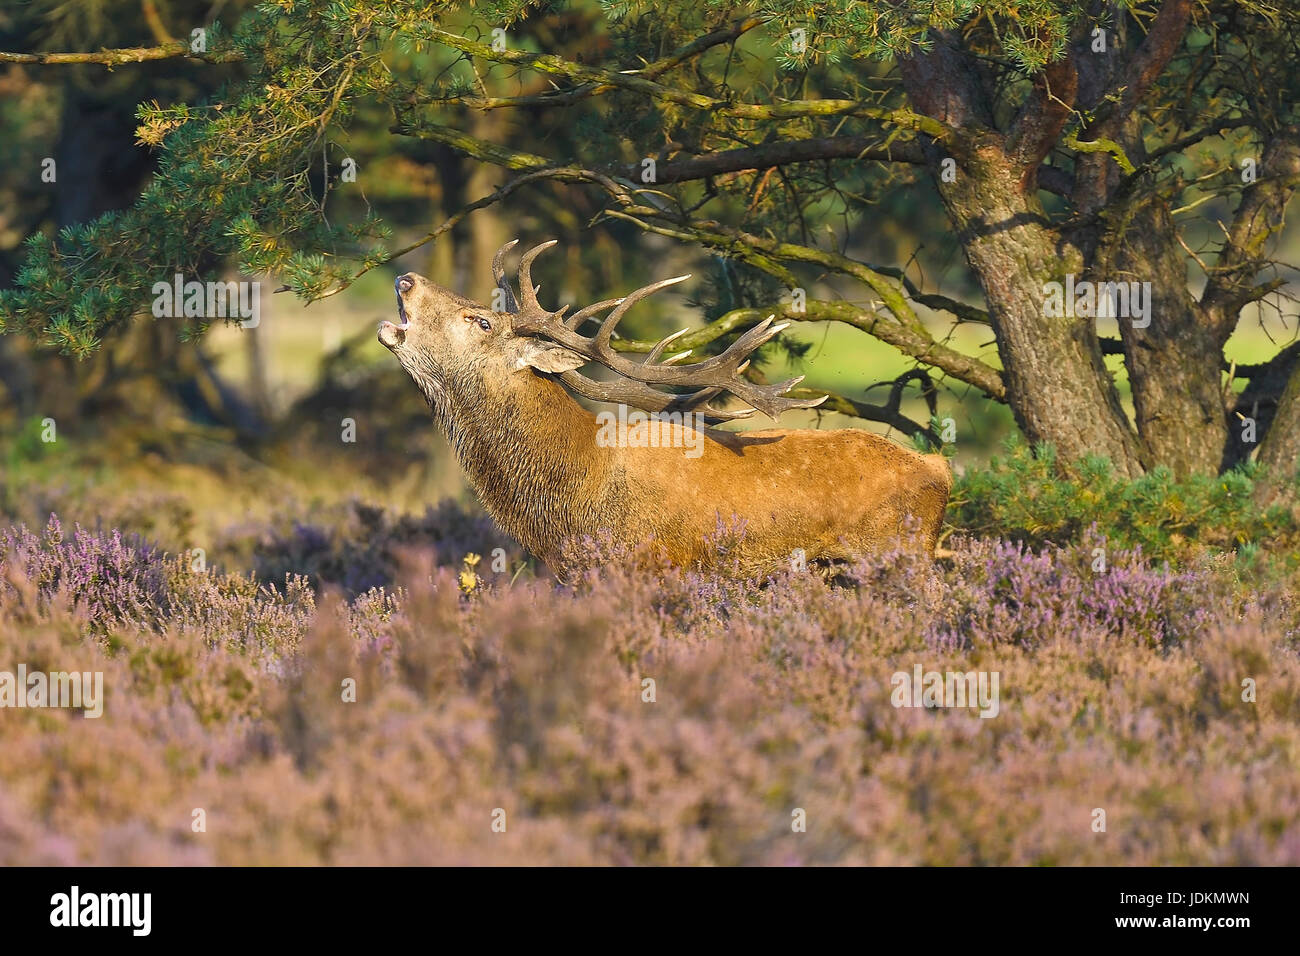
(404, 284)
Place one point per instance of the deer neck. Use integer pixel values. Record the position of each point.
(529, 451)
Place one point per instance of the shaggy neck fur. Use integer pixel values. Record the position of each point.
(529, 451)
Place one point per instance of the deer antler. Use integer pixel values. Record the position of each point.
(710, 377)
(509, 302)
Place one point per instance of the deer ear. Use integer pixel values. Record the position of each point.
(547, 357)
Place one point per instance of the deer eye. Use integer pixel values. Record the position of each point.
(483, 323)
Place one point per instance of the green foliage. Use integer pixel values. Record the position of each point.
(245, 179)
(1028, 33)
(1034, 499)
(251, 175)
(28, 445)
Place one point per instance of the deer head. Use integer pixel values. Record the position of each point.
(447, 343)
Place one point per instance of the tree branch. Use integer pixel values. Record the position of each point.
(1259, 216)
(945, 85)
(1136, 76)
(901, 328)
(633, 81)
(471, 146)
(1043, 115)
(1154, 53)
(782, 153)
(569, 174)
(121, 57)
(904, 330)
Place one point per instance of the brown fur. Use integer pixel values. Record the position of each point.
(531, 453)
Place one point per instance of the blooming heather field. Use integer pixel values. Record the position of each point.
(643, 716)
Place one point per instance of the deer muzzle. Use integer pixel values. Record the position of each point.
(393, 334)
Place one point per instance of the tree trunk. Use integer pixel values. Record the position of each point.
(1057, 384)
(259, 377)
(1279, 452)
(1174, 361)
(487, 233)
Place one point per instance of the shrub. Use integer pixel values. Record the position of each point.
(356, 546)
(1035, 500)
(115, 579)
(1120, 689)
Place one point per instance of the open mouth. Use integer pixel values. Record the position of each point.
(401, 314)
(393, 334)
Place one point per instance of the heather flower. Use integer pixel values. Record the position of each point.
(641, 713)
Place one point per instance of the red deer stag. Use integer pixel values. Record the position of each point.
(548, 470)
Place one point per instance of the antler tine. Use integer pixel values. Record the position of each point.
(771, 400)
(575, 321)
(631, 299)
(662, 344)
(499, 276)
(639, 395)
(758, 336)
(526, 288)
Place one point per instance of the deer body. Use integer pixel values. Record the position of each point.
(533, 456)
